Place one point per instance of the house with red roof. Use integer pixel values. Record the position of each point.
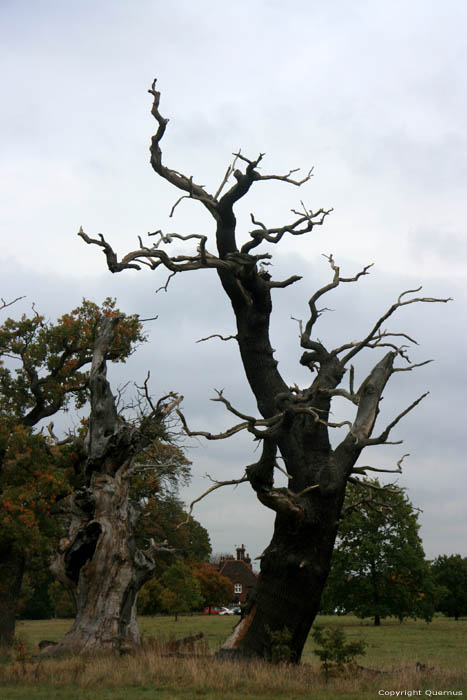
(240, 571)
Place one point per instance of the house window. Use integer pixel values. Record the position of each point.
(238, 588)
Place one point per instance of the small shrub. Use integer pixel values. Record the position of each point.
(280, 645)
(334, 651)
(21, 653)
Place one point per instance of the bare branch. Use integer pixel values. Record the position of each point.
(4, 304)
(306, 341)
(305, 223)
(250, 423)
(162, 408)
(377, 341)
(383, 438)
(342, 393)
(56, 440)
(288, 179)
(180, 181)
(206, 198)
(212, 436)
(119, 398)
(165, 409)
(307, 490)
(228, 173)
(221, 398)
(398, 470)
(147, 395)
(399, 461)
(283, 471)
(153, 257)
(284, 283)
(373, 334)
(251, 163)
(414, 366)
(165, 286)
(217, 335)
(217, 485)
(317, 418)
(157, 547)
(112, 261)
(300, 325)
(270, 423)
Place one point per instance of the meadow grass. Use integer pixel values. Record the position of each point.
(393, 648)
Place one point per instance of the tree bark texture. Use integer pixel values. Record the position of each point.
(12, 564)
(294, 569)
(295, 566)
(101, 566)
(99, 561)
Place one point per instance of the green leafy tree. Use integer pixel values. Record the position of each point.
(378, 566)
(155, 485)
(181, 591)
(164, 519)
(149, 599)
(35, 602)
(159, 474)
(450, 575)
(215, 589)
(32, 478)
(47, 360)
(43, 369)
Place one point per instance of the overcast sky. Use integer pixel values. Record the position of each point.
(372, 94)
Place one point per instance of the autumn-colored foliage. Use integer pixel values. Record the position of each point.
(43, 369)
(32, 478)
(215, 589)
(46, 360)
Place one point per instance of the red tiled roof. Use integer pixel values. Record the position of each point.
(238, 571)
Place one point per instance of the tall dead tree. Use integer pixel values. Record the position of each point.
(99, 561)
(294, 421)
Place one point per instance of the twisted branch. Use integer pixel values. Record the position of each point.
(305, 335)
(299, 227)
(217, 485)
(373, 334)
(398, 470)
(250, 423)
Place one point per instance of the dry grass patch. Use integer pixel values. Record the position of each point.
(160, 670)
(150, 669)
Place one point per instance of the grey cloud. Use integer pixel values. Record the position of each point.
(376, 103)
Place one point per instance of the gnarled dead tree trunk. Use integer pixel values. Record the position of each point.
(295, 422)
(99, 561)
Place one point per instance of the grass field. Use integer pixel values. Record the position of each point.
(392, 648)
